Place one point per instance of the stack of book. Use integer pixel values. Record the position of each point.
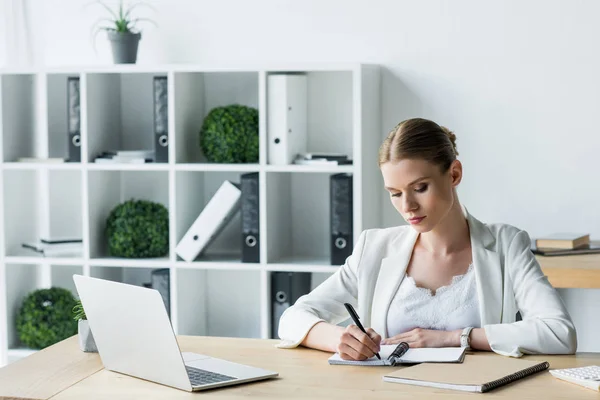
(322, 159)
(63, 247)
(126, 157)
(562, 244)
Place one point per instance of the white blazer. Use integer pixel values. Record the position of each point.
(509, 279)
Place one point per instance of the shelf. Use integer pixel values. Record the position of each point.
(219, 262)
(50, 166)
(130, 262)
(333, 169)
(128, 167)
(36, 260)
(292, 267)
(575, 271)
(217, 167)
(196, 94)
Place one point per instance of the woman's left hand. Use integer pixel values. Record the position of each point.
(419, 337)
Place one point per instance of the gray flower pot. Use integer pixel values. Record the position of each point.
(86, 339)
(124, 46)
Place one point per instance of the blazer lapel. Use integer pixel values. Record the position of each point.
(488, 271)
(391, 273)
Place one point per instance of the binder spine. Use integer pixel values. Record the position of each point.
(516, 376)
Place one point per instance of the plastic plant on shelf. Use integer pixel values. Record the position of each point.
(229, 134)
(138, 229)
(45, 317)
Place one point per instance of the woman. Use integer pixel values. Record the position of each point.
(445, 280)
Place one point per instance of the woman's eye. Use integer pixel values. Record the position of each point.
(396, 194)
(421, 188)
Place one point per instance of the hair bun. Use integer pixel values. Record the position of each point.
(451, 136)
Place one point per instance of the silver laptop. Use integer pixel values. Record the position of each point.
(134, 336)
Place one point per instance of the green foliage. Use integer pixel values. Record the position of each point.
(45, 317)
(78, 311)
(138, 229)
(120, 20)
(229, 134)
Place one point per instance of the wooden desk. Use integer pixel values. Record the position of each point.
(62, 372)
(582, 271)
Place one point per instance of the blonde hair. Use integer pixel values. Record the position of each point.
(421, 139)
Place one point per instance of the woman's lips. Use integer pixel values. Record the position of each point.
(416, 220)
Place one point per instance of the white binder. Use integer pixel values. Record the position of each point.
(286, 117)
(214, 217)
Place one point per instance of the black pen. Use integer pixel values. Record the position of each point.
(355, 318)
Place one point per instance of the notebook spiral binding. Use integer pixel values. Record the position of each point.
(513, 377)
(398, 352)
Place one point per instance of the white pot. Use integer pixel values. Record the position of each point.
(86, 339)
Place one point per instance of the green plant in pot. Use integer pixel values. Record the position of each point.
(138, 229)
(86, 339)
(121, 29)
(45, 317)
(229, 134)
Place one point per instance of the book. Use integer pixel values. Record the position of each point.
(563, 241)
(57, 249)
(478, 373)
(392, 355)
(592, 248)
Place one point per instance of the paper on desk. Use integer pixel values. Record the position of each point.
(412, 356)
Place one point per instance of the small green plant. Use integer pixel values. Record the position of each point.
(229, 134)
(138, 229)
(79, 312)
(45, 317)
(120, 19)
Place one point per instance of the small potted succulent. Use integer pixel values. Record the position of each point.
(86, 339)
(122, 31)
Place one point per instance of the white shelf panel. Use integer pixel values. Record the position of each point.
(17, 354)
(302, 264)
(334, 169)
(128, 167)
(238, 67)
(302, 268)
(215, 265)
(130, 262)
(20, 166)
(226, 262)
(35, 260)
(217, 167)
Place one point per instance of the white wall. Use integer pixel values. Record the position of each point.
(518, 82)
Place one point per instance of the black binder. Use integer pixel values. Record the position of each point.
(286, 288)
(74, 119)
(161, 119)
(160, 280)
(341, 217)
(250, 218)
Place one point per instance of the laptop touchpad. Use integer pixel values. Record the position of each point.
(189, 357)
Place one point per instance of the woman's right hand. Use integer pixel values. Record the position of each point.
(356, 345)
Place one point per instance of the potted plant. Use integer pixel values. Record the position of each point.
(45, 317)
(86, 339)
(122, 31)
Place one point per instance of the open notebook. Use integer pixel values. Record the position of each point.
(400, 354)
(478, 373)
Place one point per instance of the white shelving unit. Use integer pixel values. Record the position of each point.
(216, 294)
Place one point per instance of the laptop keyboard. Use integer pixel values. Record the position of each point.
(200, 377)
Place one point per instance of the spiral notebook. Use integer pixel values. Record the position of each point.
(392, 355)
(478, 373)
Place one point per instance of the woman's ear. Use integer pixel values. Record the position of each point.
(455, 172)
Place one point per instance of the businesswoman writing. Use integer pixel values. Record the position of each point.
(446, 279)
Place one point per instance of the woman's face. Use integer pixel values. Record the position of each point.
(420, 192)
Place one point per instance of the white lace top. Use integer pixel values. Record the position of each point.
(454, 306)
